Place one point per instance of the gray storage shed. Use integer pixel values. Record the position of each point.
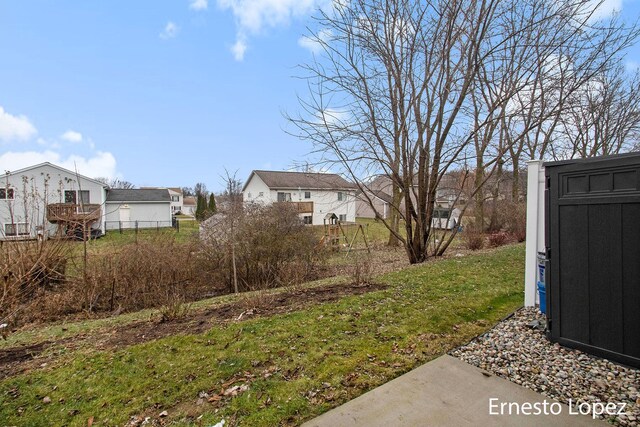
(593, 251)
(138, 208)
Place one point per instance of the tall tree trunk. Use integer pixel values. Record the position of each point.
(394, 216)
(479, 208)
(515, 183)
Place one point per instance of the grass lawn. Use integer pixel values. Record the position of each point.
(113, 238)
(281, 369)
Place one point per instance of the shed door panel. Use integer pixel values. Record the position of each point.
(605, 277)
(631, 278)
(574, 296)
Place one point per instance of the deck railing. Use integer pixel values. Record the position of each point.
(302, 207)
(71, 212)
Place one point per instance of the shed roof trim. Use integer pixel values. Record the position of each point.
(138, 195)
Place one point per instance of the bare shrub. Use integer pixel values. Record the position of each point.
(510, 217)
(498, 239)
(253, 302)
(361, 270)
(151, 273)
(473, 239)
(516, 220)
(265, 246)
(29, 269)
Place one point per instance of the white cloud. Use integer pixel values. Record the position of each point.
(198, 4)
(632, 66)
(254, 16)
(333, 117)
(101, 164)
(170, 31)
(238, 49)
(72, 136)
(15, 127)
(604, 8)
(314, 43)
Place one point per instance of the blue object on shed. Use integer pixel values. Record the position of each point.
(543, 297)
(541, 266)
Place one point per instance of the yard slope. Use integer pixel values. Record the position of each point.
(276, 370)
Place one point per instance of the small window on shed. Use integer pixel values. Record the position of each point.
(307, 194)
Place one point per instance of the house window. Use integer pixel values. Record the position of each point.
(307, 219)
(284, 197)
(16, 229)
(84, 196)
(260, 194)
(340, 196)
(6, 193)
(71, 196)
(248, 195)
(175, 198)
(343, 218)
(307, 194)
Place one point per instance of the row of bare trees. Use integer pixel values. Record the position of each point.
(414, 90)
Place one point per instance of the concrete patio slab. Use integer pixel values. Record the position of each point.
(450, 392)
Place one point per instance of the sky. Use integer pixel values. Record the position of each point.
(160, 93)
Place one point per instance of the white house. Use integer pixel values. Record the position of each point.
(138, 208)
(189, 206)
(46, 200)
(314, 194)
(177, 200)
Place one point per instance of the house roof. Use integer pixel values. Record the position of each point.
(174, 189)
(60, 168)
(385, 197)
(303, 180)
(139, 195)
(189, 201)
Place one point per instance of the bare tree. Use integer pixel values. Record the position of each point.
(200, 189)
(410, 89)
(116, 183)
(603, 117)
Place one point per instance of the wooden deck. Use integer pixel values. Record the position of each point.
(69, 212)
(303, 207)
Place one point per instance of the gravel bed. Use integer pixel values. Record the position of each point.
(523, 355)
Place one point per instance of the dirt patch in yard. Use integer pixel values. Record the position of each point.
(261, 305)
(16, 360)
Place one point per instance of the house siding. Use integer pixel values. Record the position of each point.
(253, 189)
(364, 209)
(147, 214)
